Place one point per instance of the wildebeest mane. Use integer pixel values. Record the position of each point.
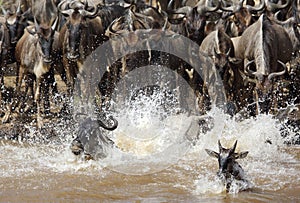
(268, 43)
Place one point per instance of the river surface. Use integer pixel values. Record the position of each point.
(32, 172)
(148, 172)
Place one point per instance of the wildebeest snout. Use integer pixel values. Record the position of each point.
(77, 147)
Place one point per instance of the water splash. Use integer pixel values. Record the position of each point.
(151, 132)
(266, 164)
(270, 165)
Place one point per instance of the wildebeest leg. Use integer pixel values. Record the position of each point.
(29, 105)
(70, 82)
(14, 102)
(38, 102)
(256, 96)
(51, 81)
(1, 87)
(46, 82)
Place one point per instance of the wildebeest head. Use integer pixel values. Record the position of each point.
(239, 17)
(45, 35)
(91, 140)
(219, 47)
(16, 23)
(194, 20)
(224, 50)
(77, 15)
(275, 5)
(226, 159)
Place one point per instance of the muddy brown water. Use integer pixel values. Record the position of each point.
(91, 184)
(49, 172)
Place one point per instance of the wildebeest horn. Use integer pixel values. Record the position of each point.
(66, 12)
(30, 31)
(26, 13)
(258, 8)
(89, 14)
(274, 6)
(247, 68)
(203, 8)
(228, 52)
(289, 21)
(76, 5)
(36, 25)
(234, 60)
(220, 146)
(170, 5)
(111, 29)
(114, 126)
(216, 51)
(232, 8)
(233, 147)
(53, 27)
(4, 11)
(19, 8)
(272, 75)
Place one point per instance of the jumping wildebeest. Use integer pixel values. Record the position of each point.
(229, 169)
(91, 141)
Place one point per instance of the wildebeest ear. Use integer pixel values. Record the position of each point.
(212, 153)
(241, 155)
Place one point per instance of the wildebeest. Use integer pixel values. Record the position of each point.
(265, 47)
(12, 27)
(45, 11)
(237, 16)
(273, 6)
(219, 47)
(229, 169)
(193, 22)
(132, 21)
(91, 141)
(190, 21)
(291, 23)
(82, 33)
(34, 59)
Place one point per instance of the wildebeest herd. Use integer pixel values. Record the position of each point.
(253, 45)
